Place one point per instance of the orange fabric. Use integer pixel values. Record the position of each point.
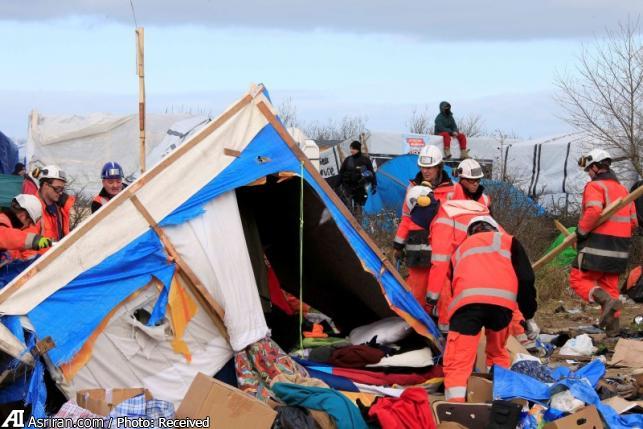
(182, 308)
(406, 225)
(50, 224)
(100, 200)
(317, 332)
(633, 277)
(515, 327)
(599, 194)
(459, 194)
(15, 238)
(80, 359)
(29, 187)
(417, 281)
(584, 282)
(483, 272)
(446, 235)
(460, 356)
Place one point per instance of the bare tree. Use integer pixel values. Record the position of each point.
(604, 99)
(288, 113)
(420, 121)
(348, 127)
(471, 125)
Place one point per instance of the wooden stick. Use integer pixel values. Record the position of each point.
(140, 71)
(215, 311)
(606, 214)
(560, 227)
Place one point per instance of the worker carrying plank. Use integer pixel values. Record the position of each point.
(602, 252)
(20, 227)
(491, 276)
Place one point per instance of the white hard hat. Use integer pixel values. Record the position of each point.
(52, 172)
(430, 156)
(486, 219)
(418, 195)
(32, 204)
(469, 169)
(594, 156)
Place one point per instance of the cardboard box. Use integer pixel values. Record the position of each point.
(102, 401)
(587, 418)
(226, 406)
(479, 390)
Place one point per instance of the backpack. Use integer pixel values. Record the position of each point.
(634, 284)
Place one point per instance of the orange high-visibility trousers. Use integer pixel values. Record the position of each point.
(515, 327)
(584, 282)
(417, 280)
(460, 357)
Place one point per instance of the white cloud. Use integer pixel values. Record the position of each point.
(424, 19)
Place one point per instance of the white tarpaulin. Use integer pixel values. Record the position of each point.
(80, 145)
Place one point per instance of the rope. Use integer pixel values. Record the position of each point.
(301, 256)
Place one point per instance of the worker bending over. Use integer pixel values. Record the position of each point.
(56, 204)
(20, 227)
(490, 275)
(603, 252)
(412, 238)
(469, 173)
(112, 177)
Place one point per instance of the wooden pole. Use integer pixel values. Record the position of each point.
(560, 227)
(140, 71)
(606, 214)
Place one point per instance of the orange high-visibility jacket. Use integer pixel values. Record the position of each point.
(16, 239)
(605, 249)
(56, 226)
(459, 194)
(483, 272)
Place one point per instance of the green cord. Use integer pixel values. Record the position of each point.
(301, 256)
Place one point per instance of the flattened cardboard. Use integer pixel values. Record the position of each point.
(628, 353)
(622, 405)
(586, 418)
(479, 390)
(514, 347)
(226, 406)
(103, 401)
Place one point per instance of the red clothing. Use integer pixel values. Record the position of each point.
(410, 411)
(584, 283)
(418, 280)
(483, 272)
(516, 328)
(55, 224)
(446, 138)
(606, 248)
(385, 379)
(29, 186)
(460, 194)
(448, 230)
(460, 356)
(12, 238)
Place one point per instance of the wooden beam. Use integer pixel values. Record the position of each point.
(214, 309)
(560, 227)
(606, 214)
(140, 71)
(231, 152)
(310, 168)
(119, 199)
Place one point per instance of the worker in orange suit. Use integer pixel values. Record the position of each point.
(491, 276)
(448, 231)
(603, 251)
(56, 204)
(20, 227)
(469, 173)
(412, 238)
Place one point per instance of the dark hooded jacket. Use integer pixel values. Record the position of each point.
(444, 122)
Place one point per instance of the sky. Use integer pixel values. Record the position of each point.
(376, 59)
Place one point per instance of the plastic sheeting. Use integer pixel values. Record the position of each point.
(10, 186)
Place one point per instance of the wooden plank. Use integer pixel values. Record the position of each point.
(140, 70)
(119, 199)
(310, 168)
(560, 227)
(231, 152)
(199, 290)
(606, 214)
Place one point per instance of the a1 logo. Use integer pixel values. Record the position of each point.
(16, 419)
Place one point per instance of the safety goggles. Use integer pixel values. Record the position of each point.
(57, 189)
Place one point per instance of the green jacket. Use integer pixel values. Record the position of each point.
(444, 122)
